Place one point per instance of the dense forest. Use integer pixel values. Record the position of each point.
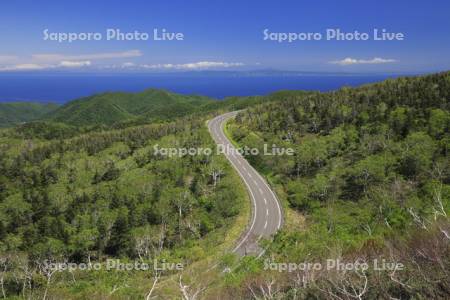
(370, 178)
(107, 194)
(109, 108)
(13, 113)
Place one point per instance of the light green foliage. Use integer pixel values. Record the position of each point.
(106, 194)
(369, 163)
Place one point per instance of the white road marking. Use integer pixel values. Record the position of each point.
(254, 206)
(217, 126)
(261, 254)
(275, 199)
(254, 215)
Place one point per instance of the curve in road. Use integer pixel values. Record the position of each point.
(266, 210)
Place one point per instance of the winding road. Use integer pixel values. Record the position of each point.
(266, 211)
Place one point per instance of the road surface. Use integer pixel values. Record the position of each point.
(266, 211)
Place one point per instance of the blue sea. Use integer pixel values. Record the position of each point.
(60, 88)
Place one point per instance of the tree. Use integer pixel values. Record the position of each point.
(121, 240)
(419, 149)
(438, 123)
(399, 121)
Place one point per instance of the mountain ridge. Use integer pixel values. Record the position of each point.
(114, 107)
(14, 113)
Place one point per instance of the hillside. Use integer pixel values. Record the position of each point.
(108, 195)
(110, 108)
(369, 181)
(18, 112)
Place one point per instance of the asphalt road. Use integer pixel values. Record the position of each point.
(266, 211)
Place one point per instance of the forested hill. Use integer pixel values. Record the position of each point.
(108, 194)
(110, 108)
(370, 179)
(17, 112)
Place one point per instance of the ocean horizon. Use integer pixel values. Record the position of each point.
(61, 88)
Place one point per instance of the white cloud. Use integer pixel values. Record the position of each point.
(128, 65)
(194, 66)
(36, 67)
(74, 64)
(94, 56)
(24, 67)
(8, 58)
(352, 61)
(51, 61)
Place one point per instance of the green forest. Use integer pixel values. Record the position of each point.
(106, 194)
(369, 180)
(20, 112)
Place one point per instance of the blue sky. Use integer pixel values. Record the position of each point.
(225, 35)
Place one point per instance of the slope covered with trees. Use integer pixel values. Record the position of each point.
(13, 113)
(370, 178)
(108, 195)
(110, 108)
